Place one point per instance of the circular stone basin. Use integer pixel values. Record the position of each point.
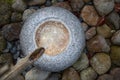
(59, 32)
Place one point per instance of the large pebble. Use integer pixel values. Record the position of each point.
(11, 31)
(76, 5)
(82, 62)
(16, 17)
(104, 31)
(54, 76)
(114, 20)
(2, 43)
(101, 63)
(36, 2)
(90, 33)
(116, 38)
(104, 7)
(105, 77)
(115, 73)
(90, 15)
(5, 13)
(63, 5)
(115, 55)
(88, 74)
(27, 13)
(19, 5)
(97, 44)
(85, 26)
(36, 74)
(70, 74)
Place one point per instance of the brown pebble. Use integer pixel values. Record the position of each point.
(115, 73)
(105, 77)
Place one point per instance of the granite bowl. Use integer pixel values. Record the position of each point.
(59, 32)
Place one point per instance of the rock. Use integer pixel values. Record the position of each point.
(27, 13)
(16, 17)
(97, 44)
(35, 2)
(114, 20)
(19, 77)
(76, 5)
(89, 15)
(5, 13)
(85, 26)
(116, 38)
(90, 33)
(70, 74)
(36, 74)
(104, 7)
(86, 1)
(19, 5)
(104, 31)
(105, 77)
(88, 74)
(115, 55)
(63, 5)
(54, 76)
(2, 43)
(101, 63)
(11, 31)
(6, 58)
(82, 62)
(115, 73)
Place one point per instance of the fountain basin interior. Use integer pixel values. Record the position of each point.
(59, 32)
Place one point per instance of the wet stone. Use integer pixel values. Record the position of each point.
(97, 44)
(101, 63)
(76, 5)
(70, 74)
(63, 5)
(90, 33)
(11, 31)
(115, 73)
(105, 77)
(88, 74)
(89, 15)
(81, 63)
(113, 19)
(104, 31)
(104, 7)
(116, 38)
(115, 55)
(16, 17)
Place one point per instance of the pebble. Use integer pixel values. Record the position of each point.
(104, 31)
(105, 77)
(5, 13)
(115, 55)
(27, 13)
(19, 5)
(85, 26)
(116, 38)
(90, 33)
(115, 73)
(63, 5)
(86, 1)
(36, 74)
(19, 77)
(36, 2)
(2, 43)
(97, 44)
(54, 76)
(70, 74)
(88, 74)
(114, 20)
(76, 5)
(104, 7)
(16, 17)
(89, 15)
(81, 63)
(11, 31)
(101, 63)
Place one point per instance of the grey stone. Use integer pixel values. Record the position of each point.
(75, 46)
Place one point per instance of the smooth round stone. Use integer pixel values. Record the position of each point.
(101, 63)
(105, 77)
(59, 32)
(104, 7)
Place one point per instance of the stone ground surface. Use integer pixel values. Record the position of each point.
(101, 23)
